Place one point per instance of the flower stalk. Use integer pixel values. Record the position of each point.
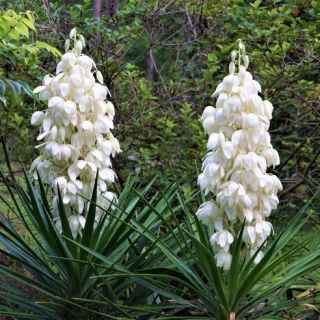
(235, 168)
(76, 133)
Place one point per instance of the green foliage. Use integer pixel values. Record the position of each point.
(54, 277)
(150, 248)
(250, 291)
(190, 45)
(18, 69)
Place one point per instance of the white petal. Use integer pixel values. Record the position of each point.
(103, 125)
(37, 118)
(80, 203)
(98, 154)
(99, 77)
(66, 199)
(73, 172)
(85, 62)
(78, 47)
(252, 233)
(46, 123)
(74, 222)
(58, 225)
(60, 67)
(236, 136)
(39, 89)
(72, 188)
(79, 184)
(64, 89)
(54, 101)
(86, 125)
(227, 149)
(107, 174)
(72, 33)
(65, 152)
(84, 102)
(213, 141)
(76, 79)
(42, 135)
(223, 239)
(81, 164)
(82, 221)
(55, 149)
(110, 108)
(69, 106)
(221, 100)
(69, 59)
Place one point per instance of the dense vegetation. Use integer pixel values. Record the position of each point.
(162, 61)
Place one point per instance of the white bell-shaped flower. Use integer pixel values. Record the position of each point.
(224, 259)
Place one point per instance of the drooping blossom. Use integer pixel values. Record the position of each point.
(235, 168)
(75, 136)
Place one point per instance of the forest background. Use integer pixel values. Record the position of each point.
(162, 60)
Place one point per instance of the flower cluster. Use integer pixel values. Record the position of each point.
(76, 133)
(234, 169)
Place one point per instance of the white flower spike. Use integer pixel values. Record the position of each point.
(75, 135)
(235, 168)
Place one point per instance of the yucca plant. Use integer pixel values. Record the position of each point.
(194, 287)
(51, 276)
(248, 290)
(146, 262)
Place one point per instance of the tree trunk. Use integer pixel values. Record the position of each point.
(111, 7)
(96, 9)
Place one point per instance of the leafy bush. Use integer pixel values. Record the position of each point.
(19, 64)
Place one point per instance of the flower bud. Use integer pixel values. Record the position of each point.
(73, 33)
(246, 61)
(78, 47)
(67, 45)
(242, 47)
(232, 67)
(82, 40)
(234, 55)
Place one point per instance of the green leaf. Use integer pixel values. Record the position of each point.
(90, 219)
(4, 101)
(22, 29)
(44, 45)
(29, 23)
(15, 87)
(235, 267)
(2, 87)
(26, 88)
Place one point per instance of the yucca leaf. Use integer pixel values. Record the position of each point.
(235, 267)
(88, 228)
